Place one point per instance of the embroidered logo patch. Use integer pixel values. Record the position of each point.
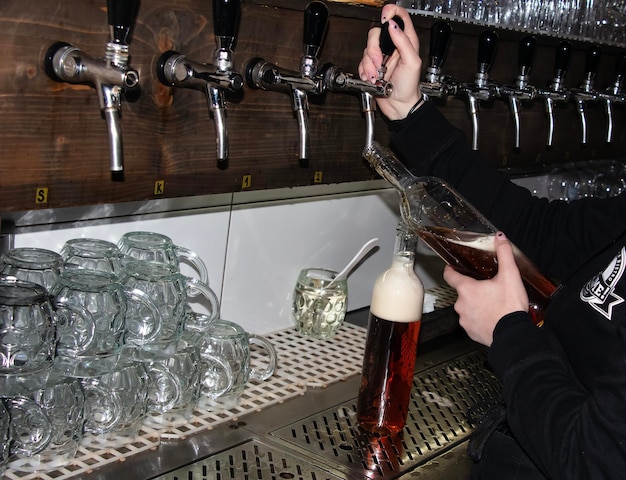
(599, 292)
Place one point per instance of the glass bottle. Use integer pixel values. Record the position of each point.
(391, 345)
(453, 228)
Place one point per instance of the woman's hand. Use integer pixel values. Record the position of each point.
(482, 303)
(403, 66)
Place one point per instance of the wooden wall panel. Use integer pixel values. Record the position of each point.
(52, 135)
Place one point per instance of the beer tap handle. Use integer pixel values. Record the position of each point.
(439, 39)
(561, 64)
(486, 51)
(387, 46)
(120, 14)
(592, 64)
(226, 15)
(434, 84)
(526, 56)
(315, 24)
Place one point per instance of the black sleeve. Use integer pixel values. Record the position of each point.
(555, 235)
(568, 431)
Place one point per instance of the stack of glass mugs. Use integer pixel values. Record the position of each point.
(100, 340)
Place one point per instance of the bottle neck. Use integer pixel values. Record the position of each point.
(388, 166)
(405, 246)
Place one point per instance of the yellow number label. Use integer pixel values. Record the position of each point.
(317, 177)
(246, 181)
(159, 187)
(41, 196)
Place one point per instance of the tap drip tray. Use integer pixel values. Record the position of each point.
(329, 444)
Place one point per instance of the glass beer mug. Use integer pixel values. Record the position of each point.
(454, 229)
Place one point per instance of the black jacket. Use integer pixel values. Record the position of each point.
(564, 384)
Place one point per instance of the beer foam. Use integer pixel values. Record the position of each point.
(485, 244)
(397, 299)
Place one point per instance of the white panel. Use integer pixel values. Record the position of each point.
(204, 232)
(254, 253)
(271, 242)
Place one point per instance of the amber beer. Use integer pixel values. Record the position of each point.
(473, 254)
(387, 376)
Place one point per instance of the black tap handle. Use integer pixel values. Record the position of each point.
(562, 58)
(486, 50)
(439, 38)
(315, 23)
(386, 45)
(593, 60)
(120, 15)
(226, 17)
(526, 53)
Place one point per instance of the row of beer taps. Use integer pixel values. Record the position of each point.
(112, 77)
(483, 89)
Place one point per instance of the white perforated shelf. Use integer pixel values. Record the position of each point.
(302, 363)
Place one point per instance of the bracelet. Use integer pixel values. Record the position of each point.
(417, 105)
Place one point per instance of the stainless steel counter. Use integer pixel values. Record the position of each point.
(314, 435)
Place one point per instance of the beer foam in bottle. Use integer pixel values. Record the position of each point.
(395, 299)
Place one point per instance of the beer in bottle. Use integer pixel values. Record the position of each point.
(391, 345)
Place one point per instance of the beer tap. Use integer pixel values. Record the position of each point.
(337, 80)
(267, 76)
(176, 70)
(556, 92)
(110, 76)
(482, 88)
(436, 84)
(585, 92)
(614, 94)
(522, 90)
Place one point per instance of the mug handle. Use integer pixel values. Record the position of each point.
(31, 428)
(146, 331)
(271, 354)
(108, 413)
(75, 326)
(195, 287)
(195, 261)
(211, 379)
(162, 399)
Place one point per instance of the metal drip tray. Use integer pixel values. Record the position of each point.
(329, 444)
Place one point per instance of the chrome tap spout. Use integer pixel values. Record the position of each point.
(482, 89)
(586, 93)
(110, 76)
(556, 92)
(177, 70)
(522, 90)
(66, 63)
(267, 76)
(614, 94)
